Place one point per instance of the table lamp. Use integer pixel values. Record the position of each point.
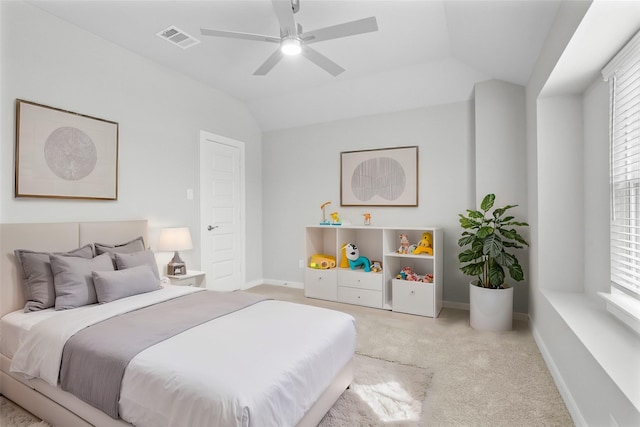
(175, 239)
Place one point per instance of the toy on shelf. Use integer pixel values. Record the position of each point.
(426, 244)
(344, 261)
(367, 219)
(322, 261)
(355, 259)
(404, 244)
(407, 273)
(376, 266)
(335, 219)
(324, 221)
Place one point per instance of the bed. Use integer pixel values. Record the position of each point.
(263, 363)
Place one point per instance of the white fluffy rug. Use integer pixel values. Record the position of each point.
(14, 416)
(383, 393)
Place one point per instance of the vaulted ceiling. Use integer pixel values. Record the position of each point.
(426, 52)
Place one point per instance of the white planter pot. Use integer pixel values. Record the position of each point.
(490, 309)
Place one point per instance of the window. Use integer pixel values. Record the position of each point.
(623, 74)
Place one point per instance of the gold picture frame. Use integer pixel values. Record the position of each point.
(62, 154)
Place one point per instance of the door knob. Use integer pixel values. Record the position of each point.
(212, 228)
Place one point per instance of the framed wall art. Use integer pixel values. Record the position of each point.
(379, 177)
(61, 154)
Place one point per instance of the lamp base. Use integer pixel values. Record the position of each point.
(178, 269)
(176, 266)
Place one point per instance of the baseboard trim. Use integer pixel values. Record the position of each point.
(300, 285)
(572, 407)
(285, 283)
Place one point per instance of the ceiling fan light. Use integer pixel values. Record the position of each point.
(291, 46)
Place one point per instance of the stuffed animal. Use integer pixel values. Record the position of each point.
(426, 244)
(344, 261)
(404, 244)
(407, 273)
(428, 278)
(355, 260)
(376, 266)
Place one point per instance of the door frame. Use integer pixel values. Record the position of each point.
(212, 138)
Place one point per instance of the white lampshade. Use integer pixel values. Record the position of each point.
(175, 239)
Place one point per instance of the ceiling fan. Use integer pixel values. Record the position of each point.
(293, 40)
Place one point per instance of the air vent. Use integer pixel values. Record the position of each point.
(178, 37)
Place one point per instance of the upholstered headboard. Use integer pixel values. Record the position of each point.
(54, 237)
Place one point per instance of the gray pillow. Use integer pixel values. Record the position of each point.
(72, 279)
(37, 278)
(135, 259)
(113, 285)
(135, 245)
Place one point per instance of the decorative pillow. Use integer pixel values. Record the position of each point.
(135, 259)
(72, 279)
(37, 278)
(135, 245)
(113, 285)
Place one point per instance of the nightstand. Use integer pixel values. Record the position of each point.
(192, 278)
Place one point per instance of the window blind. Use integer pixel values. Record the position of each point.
(623, 73)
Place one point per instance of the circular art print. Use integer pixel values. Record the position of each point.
(70, 153)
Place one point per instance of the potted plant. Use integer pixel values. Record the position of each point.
(489, 238)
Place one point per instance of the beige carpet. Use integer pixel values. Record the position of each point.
(382, 393)
(463, 377)
(479, 378)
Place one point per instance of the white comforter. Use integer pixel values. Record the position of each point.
(264, 365)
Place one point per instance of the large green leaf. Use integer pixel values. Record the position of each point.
(465, 240)
(483, 232)
(508, 244)
(475, 214)
(468, 222)
(509, 234)
(487, 202)
(469, 255)
(506, 260)
(519, 238)
(492, 245)
(516, 273)
(496, 275)
(474, 269)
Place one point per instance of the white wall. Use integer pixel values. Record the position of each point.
(302, 170)
(160, 115)
(568, 210)
(501, 161)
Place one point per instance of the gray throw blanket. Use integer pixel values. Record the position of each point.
(94, 359)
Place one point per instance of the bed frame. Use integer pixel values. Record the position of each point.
(52, 404)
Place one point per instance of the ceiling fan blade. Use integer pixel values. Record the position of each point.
(237, 35)
(284, 12)
(321, 61)
(269, 63)
(352, 28)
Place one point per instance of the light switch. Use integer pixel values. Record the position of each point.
(189, 194)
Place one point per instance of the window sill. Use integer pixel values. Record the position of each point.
(624, 307)
(614, 346)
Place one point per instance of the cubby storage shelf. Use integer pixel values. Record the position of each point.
(375, 289)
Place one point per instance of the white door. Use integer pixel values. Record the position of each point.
(222, 219)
